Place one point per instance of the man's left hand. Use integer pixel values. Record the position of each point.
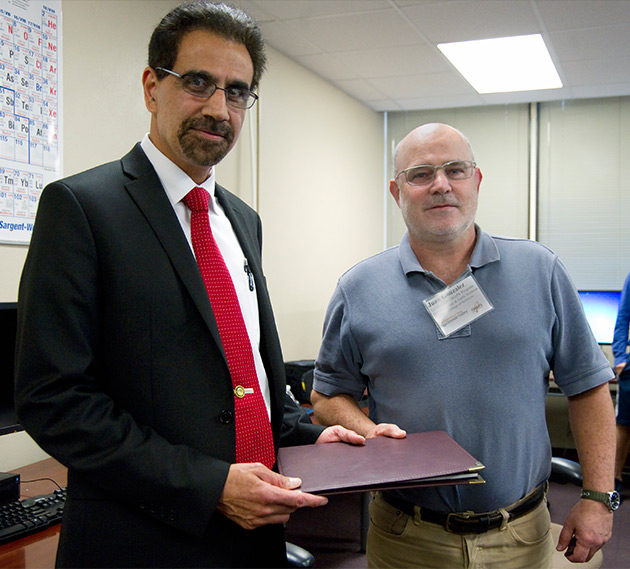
(337, 433)
(590, 524)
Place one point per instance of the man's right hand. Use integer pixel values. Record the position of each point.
(343, 409)
(386, 430)
(254, 496)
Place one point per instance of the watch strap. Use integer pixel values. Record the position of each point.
(610, 499)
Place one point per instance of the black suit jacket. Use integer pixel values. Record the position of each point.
(120, 374)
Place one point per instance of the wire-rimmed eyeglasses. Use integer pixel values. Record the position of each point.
(424, 174)
(199, 84)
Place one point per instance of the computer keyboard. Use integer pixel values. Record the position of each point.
(30, 515)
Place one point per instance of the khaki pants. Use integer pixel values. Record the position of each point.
(398, 541)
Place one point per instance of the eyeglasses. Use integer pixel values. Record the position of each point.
(200, 85)
(425, 173)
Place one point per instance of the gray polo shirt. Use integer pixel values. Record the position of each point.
(485, 384)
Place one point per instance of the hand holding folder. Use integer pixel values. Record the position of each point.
(421, 459)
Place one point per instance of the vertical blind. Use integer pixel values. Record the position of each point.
(584, 188)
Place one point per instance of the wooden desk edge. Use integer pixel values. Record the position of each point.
(36, 551)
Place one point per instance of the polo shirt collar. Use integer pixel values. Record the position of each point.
(485, 252)
(408, 259)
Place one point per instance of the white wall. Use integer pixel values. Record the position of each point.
(320, 182)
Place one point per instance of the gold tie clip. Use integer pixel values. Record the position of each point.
(241, 391)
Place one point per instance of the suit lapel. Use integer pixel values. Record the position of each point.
(238, 222)
(250, 245)
(146, 191)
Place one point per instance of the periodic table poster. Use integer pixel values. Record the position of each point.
(30, 110)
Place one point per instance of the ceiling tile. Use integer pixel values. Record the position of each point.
(600, 43)
(594, 91)
(597, 71)
(460, 20)
(328, 66)
(423, 85)
(366, 30)
(582, 14)
(443, 102)
(284, 39)
(361, 89)
(389, 61)
(297, 9)
(384, 105)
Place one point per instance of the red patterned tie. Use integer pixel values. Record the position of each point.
(254, 441)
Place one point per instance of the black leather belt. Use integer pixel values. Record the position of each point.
(463, 523)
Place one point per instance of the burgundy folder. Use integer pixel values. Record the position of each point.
(421, 459)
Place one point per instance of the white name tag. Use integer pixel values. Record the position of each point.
(457, 305)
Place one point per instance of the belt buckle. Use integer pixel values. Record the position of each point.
(452, 515)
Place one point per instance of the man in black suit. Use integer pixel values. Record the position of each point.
(121, 373)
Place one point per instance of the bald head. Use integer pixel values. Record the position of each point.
(428, 140)
(439, 210)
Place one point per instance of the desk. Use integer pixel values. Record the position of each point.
(36, 551)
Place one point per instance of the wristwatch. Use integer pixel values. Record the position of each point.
(610, 499)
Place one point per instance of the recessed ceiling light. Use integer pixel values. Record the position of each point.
(501, 65)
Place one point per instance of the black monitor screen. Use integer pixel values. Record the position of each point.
(601, 308)
(8, 325)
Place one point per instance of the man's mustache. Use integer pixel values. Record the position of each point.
(210, 125)
(443, 201)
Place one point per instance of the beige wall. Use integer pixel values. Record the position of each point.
(104, 113)
(11, 260)
(319, 186)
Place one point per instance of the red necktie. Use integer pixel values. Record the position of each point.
(254, 441)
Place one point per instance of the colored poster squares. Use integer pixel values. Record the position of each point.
(30, 80)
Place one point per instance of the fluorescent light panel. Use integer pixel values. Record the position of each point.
(502, 65)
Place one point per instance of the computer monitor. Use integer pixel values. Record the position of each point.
(8, 324)
(600, 307)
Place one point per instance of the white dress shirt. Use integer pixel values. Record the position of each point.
(177, 184)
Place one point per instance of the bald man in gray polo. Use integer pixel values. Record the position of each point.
(484, 379)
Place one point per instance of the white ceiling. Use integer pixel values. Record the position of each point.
(383, 52)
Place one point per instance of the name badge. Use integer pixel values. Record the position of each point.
(457, 305)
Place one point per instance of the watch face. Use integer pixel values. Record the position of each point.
(614, 500)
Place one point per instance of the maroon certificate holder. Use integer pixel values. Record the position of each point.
(432, 458)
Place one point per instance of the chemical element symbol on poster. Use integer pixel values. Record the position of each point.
(30, 138)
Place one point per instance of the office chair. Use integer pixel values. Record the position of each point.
(298, 557)
(299, 375)
(565, 471)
